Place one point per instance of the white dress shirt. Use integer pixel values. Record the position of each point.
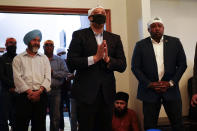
(158, 49)
(99, 40)
(31, 72)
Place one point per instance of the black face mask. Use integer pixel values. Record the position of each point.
(11, 50)
(99, 18)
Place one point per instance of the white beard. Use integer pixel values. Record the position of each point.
(35, 49)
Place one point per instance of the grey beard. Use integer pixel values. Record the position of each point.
(35, 49)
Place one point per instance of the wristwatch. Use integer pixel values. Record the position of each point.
(171, 83)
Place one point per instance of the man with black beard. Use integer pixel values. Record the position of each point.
(158, 63)
(124, 119)
(7, 94)
(32, 78)
(95, 54)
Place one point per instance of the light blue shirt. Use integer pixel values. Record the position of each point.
(60, 71)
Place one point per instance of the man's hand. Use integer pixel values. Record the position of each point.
(106, 57)
(160, 86)
(100, 53)
(29, 93)
(36, 96)
(70, 76)
(194, 100)
(164, 84)
(154, 84)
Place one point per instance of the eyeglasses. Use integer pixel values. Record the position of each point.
(48, 45)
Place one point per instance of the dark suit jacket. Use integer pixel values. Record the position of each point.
(194, 80)
(144, 67)
(89, 79)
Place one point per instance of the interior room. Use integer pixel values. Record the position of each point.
(129, 19)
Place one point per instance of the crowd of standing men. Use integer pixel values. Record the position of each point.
(31, 81)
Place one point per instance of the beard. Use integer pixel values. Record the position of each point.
(33, 48)
(120, 113)
(157, 35)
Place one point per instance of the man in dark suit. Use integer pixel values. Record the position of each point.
(158, 63)
(194, 82)
(7, 94)
(95, 54)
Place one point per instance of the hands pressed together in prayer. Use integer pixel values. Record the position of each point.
(160, 86)
(34, 96)
(102, 53)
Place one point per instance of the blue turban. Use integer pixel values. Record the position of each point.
(32, 35)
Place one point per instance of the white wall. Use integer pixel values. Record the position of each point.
(180, 20)
(136, 15)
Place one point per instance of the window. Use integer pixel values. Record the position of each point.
(56, 24)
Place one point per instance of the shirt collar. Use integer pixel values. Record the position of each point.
(25, 53)
(154, 42)
(96, 34)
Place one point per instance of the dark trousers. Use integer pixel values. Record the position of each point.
(7, 110)
(96, 116)
(27, 110)
(64, 99)
(173, 110)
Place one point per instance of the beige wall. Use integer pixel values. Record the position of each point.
(134, 33)
(180, 20)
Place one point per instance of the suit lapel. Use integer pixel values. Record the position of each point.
(109, 42)
(165, 46)
(104, 35)
(152, 55)
(91, 40)
(92, 36)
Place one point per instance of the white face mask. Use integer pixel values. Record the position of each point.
(64, 56)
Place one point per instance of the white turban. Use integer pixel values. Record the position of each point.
(61, 50)
(32, 35)
(154, 20)
(91, 10)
